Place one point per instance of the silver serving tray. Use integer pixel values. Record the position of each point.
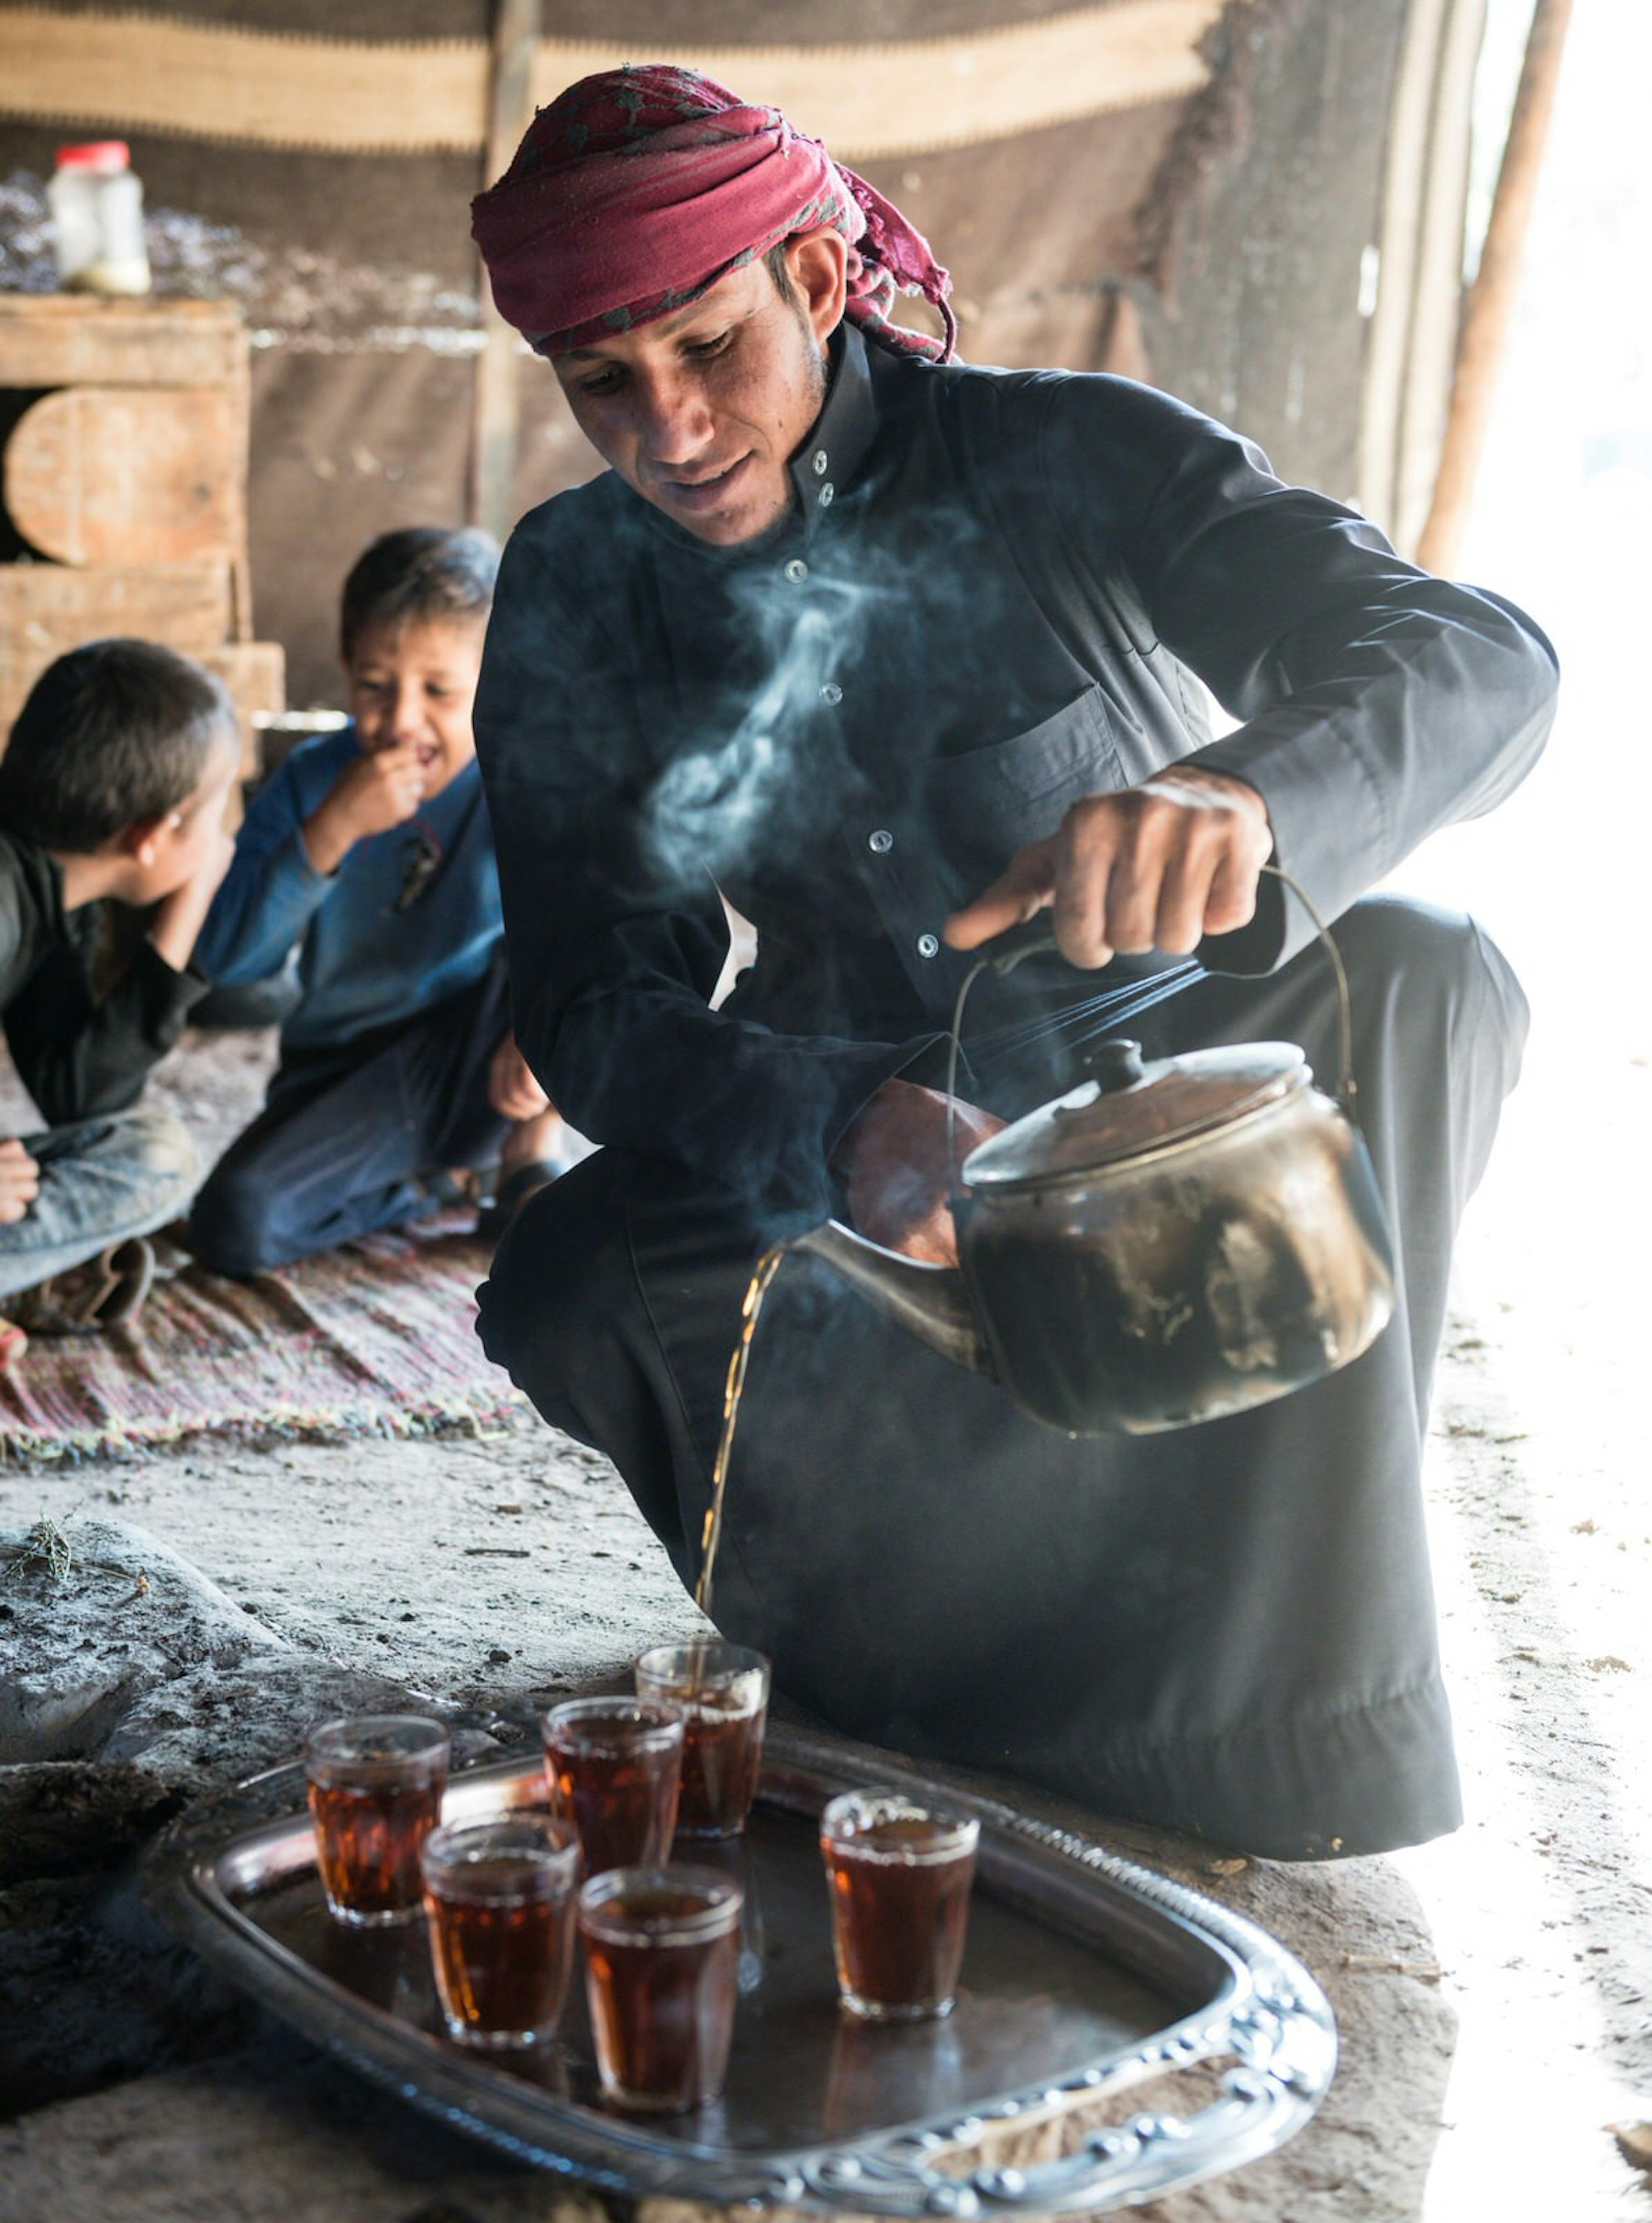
(1084, 1974)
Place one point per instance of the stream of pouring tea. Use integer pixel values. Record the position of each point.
(750, 1304)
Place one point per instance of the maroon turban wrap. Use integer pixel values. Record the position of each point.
(637, 189)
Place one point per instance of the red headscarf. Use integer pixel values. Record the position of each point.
(637, 189)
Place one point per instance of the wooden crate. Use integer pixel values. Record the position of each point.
(71, 339)
(254, 671)
(47, 607)
(112, 474)
(127, 475)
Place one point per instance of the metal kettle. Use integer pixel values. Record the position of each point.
(1172, 1241)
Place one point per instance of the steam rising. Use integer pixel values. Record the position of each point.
(714, 804)
(764, 789)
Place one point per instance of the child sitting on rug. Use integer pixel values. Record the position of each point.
(369, 851)
(112, 794)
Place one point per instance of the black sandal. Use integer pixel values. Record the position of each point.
(514, 1192)
(107, 1292)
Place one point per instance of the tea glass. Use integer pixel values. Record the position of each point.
(499, 1899)
(375, 1785)
(614, 1766)
(898, 1872)
(662, 1959)
(720, 1693)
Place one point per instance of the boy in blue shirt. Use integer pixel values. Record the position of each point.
(112, 793)
(370, 852)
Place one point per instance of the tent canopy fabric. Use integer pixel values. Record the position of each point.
(237, 85)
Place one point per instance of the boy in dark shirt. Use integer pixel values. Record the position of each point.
(369, 855)
(112, 793)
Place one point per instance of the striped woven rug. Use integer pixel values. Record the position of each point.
(376, 1338)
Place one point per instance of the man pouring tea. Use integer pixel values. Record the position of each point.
(895, 653)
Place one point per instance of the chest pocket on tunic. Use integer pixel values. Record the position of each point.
(986, 805)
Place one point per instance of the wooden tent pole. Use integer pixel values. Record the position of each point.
(497, 408)
(1488, 304)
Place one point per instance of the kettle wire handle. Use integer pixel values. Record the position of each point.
(1345, 1086)
(1006, 950)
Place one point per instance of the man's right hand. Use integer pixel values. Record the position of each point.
(372, 794)
(1157, 866)
(20, 1181)
(892, 1161)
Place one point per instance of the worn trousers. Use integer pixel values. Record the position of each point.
(349, 1133)
(116, 1175)
(1226, 1630)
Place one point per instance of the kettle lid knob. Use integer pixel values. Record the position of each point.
(1115, 1064)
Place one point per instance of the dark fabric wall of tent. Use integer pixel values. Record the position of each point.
(1207, 234)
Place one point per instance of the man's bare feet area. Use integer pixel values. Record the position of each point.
(536, 1142)
(536, 1152)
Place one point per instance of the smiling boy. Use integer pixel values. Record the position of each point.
(369, 851)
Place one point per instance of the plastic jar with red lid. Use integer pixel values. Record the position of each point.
(96, 204)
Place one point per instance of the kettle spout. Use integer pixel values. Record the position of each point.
(929, 1301)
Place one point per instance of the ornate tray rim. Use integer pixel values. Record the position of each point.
(1267, 2013)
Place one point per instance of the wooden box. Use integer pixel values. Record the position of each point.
(124, 477)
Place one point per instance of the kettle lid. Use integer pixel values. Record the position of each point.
(1133, 1106)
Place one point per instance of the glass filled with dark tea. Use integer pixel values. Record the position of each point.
(614, 1766)
(500, 1902)
(376, 1794)
(720, 1693)
(662, 1959)
(898, 1870)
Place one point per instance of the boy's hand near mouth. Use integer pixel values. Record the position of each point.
(375, 791)
(412, 681)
